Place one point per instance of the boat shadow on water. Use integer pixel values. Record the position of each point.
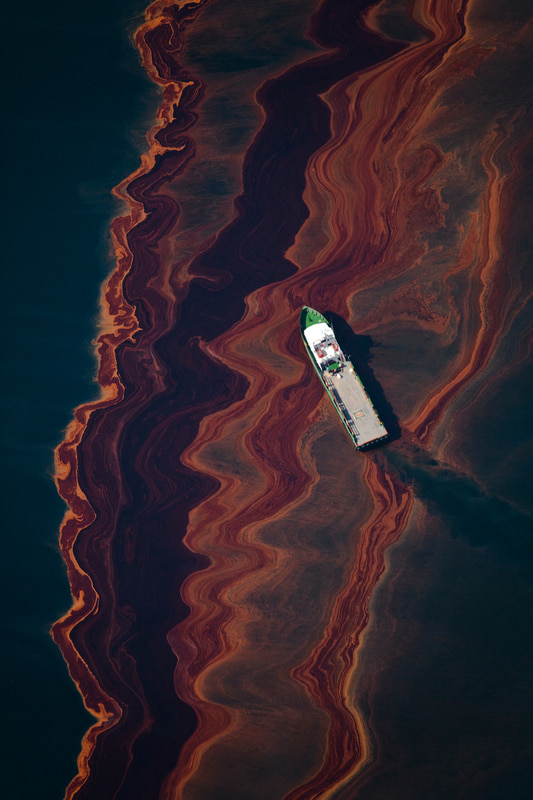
(358, 349)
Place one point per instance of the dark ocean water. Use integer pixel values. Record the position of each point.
(73, 96)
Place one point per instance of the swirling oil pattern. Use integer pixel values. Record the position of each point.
(260, 611)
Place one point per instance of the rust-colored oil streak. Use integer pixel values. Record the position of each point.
(494, 301)
(224, 539)
(385, 247)
(253, 450)
(330, 667)
(379, 183)
(371, 182)
(76, 457)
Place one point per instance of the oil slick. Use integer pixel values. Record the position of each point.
(225, 555)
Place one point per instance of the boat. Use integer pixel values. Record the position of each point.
(340, 380)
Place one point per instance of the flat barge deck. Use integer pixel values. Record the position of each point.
(341, 381)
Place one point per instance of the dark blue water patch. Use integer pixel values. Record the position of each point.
(446, 671)
(499, 439)
(76, 106)
(467, 509)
